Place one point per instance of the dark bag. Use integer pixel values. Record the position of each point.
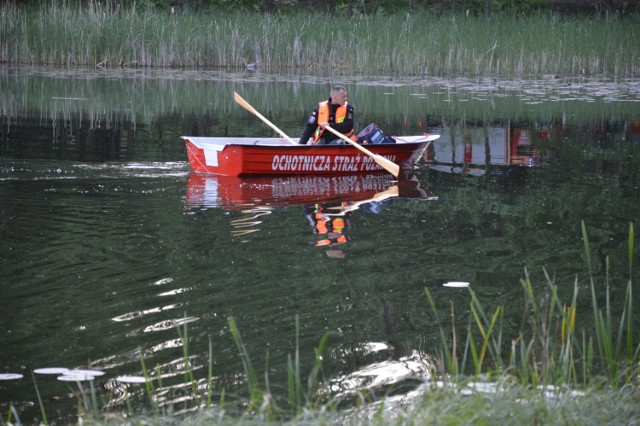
(373, 135)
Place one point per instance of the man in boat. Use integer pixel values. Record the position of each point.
(335, 112)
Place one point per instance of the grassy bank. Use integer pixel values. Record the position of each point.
(401, 44)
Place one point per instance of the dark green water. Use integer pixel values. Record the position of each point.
(108, 242)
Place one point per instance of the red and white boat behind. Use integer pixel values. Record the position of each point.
(276, 156)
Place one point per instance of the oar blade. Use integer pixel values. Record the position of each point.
(387, 164)
(244, 104)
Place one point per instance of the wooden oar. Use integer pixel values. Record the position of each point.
(251, 109)
(388, 165)
(390, 192)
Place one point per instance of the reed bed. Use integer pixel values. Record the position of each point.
(380, 44)
(550, 349)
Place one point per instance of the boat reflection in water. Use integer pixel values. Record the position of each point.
(476, 151)
(328, 201)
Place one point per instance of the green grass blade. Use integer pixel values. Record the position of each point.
(479, 358)
(94, 400)
(620, 339)
(608, 297)
(210, 376)
(465, 355)
(598, 321)
(477, 364)
(256, 394)
(313, 382)
(267, 386)
(629, 300)
(446, 352)
(454, 339)
(486, 327)
(43, 412)
(148, 384)
(296, 365)
(631, 244)
(291, 382)
(14, 412)
(587, 251)
(188, 369)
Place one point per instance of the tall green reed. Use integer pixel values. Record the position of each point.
(188, 368)
(43, 412)
(256, 393)
(615, 346)
(11, 415)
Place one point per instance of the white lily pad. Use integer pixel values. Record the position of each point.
(456, 284)
(80, 375)
(131, 379)
(51, 370)
(94, 373)
(10, 376)
(76, 377)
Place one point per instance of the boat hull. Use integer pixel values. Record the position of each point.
(274, 156)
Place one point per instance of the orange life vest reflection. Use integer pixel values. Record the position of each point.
(333, 229)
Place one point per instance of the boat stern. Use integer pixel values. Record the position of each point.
(212, 158)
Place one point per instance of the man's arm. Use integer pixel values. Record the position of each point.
(310, 127)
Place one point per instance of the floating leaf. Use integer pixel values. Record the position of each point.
(131, 379)
(87, 372)
(51, 370)
(80, 375)
(76, 377)
(10, 376)
(456, 284)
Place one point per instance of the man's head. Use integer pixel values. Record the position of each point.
(338, 95)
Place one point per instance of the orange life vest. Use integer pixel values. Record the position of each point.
(323, 117)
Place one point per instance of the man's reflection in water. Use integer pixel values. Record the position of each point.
(332, 221)
(331, 228)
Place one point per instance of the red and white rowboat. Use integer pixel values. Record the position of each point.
(276, 156)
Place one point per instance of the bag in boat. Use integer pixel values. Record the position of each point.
(373, 135)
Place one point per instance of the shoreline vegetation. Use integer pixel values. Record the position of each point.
(566, 364)
(409, 42)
